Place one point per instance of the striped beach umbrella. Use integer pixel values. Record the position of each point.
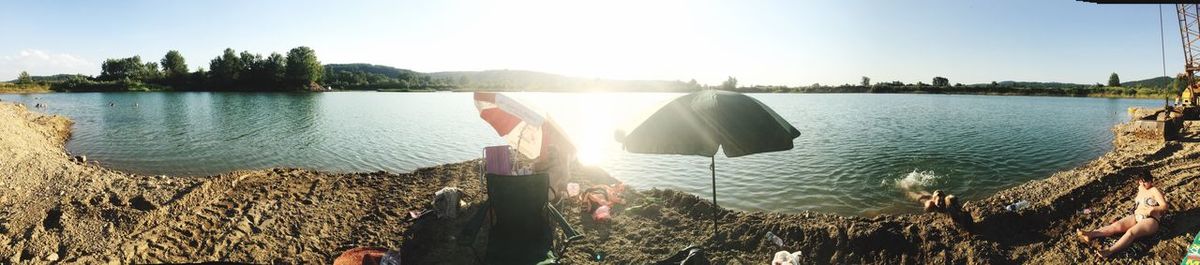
(529, 131)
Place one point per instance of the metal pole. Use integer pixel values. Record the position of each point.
(716, 209)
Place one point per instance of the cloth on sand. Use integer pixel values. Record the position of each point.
(1192, 257)
(785, 258)
(368, 256)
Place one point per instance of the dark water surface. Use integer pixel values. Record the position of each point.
(857, 154)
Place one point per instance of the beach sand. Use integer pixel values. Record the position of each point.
(56, 210)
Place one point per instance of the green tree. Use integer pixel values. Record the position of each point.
(248, 59)
(199, 78)
(24, 78)
(303, 69)
(275, 66)
(941, 81)
(173, 66)
(866, 81)
(253, 74)
(224, 69)
(1178, 83)
(729, 84)
(127, 69)
(150, 71)
(1114, 80)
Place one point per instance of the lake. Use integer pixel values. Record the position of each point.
(857, 154)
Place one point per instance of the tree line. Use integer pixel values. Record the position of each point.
(299, 70)
(362, 76)
(1159, 87)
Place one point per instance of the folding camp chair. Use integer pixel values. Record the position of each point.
(521, 220)
(498, 160)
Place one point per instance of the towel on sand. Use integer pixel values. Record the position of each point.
(368, 256)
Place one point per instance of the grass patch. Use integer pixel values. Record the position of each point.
(24, 88)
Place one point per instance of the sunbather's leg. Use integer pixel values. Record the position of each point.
(1144, 228)
(1118, 227)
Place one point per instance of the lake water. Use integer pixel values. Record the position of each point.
(856, 155)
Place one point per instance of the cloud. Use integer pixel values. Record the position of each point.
(39, 62)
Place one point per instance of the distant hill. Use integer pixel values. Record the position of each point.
(54, 78)
(370, 76)
(506, 79)
(375, 77)
(1158, 82)
(1028, 84)
(539, 81)
(370, 69)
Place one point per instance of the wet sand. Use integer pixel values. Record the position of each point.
(56, 210)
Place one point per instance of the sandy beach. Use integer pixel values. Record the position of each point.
(54, 209)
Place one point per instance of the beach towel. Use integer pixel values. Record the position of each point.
(498, 160)
(368, 256)
(1192, 256)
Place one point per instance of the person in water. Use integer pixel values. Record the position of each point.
(937, 201)
(1151, 206)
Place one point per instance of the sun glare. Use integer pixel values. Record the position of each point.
(588, 121)
(595, 139)
(595, 39)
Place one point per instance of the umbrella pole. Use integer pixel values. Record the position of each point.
(716, 209)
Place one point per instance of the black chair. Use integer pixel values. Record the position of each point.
(521, 221)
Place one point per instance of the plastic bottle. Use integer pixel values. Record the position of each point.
(1022, 204)
(1017, 206)
(774, 239)
(392, 257)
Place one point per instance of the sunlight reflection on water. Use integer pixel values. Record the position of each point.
(852, 149)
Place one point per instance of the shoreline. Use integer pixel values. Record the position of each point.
(1104, 96)
(56, 210)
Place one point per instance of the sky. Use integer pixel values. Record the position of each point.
(790, 43)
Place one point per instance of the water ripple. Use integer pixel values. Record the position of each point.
(845, 161)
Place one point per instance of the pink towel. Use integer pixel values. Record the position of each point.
(497, 160)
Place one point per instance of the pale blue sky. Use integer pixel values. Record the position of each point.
(760, 42)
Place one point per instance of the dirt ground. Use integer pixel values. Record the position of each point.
(54, 209)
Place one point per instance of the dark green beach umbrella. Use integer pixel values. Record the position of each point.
(702, 122)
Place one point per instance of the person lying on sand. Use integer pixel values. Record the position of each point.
(1151, 205)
